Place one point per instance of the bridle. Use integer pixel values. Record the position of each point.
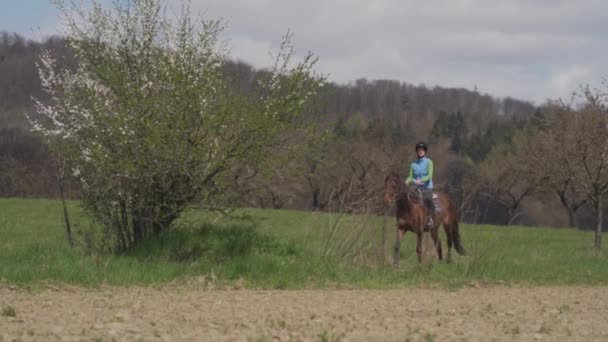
(410, 193)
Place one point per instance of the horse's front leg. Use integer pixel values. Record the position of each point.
(419, 245)
(398, 238)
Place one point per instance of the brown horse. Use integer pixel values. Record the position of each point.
(412, 216)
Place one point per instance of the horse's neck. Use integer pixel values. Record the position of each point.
(405, 203)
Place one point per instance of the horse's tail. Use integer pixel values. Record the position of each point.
(456, 238)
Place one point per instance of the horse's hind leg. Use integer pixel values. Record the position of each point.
(457, 241)
(448, 233)
(437, 241)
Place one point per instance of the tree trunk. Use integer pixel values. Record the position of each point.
(571, 208)
(138, 226)
(510, 210)
(316, 205)
(571, 218)
(68, 226)
(598, 229)
(66, 217)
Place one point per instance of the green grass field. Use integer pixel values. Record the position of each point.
(286, 249)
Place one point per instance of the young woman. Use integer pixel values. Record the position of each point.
(421, 175)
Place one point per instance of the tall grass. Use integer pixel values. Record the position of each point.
(286, 249)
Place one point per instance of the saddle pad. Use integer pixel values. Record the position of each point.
(437, 203)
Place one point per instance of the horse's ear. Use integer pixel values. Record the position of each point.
(389, 177)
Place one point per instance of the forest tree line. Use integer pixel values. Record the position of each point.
(502, 159)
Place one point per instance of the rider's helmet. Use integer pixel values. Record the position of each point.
(422, 145)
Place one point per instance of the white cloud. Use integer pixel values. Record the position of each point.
(249, 50)
(529, 49)
(566, 80)
(534, 50)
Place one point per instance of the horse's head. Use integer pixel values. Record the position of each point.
(396, 189)
(392, 187)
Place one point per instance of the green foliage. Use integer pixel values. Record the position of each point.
(480, 145)
(446, 125)
(454, 127)
(212, 243)
(441, 127)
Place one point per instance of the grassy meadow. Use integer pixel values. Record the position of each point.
(286, 249)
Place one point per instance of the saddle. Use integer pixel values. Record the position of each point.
(436, 201)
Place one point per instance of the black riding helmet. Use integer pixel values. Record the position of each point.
(422, 145)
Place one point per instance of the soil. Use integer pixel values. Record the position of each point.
(188, 312)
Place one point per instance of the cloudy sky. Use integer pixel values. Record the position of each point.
(527, 49)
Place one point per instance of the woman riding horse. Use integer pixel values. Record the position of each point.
(413, 215)
(421, 174)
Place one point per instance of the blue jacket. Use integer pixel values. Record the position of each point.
(421, 168)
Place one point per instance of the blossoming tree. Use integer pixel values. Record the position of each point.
(147, 121)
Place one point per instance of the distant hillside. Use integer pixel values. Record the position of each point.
(373, 124)
(402, 104)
